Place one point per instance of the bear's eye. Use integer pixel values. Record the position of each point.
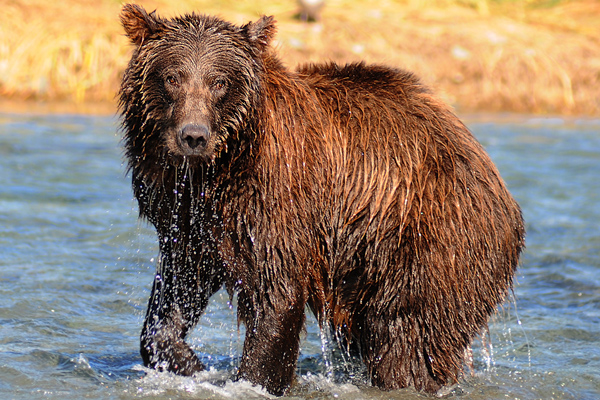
(172, 80)
(219, 84)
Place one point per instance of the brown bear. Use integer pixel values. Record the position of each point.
(350, 189)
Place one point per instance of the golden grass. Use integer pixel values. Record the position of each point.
(539, 56)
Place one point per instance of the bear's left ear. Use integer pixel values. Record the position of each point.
(261, 32)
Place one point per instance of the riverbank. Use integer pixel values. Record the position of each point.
(530, 56)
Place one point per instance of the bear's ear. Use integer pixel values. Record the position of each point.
(261, 32)
(138, 24)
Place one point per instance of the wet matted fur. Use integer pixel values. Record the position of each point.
(352, 189)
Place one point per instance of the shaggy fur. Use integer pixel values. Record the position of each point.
(350, 189)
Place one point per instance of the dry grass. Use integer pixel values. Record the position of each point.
(539, 56)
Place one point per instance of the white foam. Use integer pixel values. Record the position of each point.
(212, 383)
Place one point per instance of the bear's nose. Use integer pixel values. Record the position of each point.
(194, 136)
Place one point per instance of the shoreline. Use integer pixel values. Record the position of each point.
(532, 58)
(36, 107)
(109, 110)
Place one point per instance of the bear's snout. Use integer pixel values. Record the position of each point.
(194, 137)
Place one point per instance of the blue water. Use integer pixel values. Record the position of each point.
(76, 267)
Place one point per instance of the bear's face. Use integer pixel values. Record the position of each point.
(198, 77)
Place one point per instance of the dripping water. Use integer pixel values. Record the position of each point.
(327, 348)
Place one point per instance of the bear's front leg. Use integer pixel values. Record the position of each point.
(273, 324)
(180, 293)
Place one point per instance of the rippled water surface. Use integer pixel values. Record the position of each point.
(76, 267)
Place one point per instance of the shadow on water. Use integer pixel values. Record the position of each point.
(76, 268)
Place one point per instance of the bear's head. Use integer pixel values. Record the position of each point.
(192, 82)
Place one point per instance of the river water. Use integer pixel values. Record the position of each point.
(76, 268)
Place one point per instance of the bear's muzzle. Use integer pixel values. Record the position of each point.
(194, 138)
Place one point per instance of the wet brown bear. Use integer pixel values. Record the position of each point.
(350, 189)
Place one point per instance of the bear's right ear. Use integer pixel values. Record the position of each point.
(138, 24)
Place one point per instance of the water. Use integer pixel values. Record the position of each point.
(76, 267)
